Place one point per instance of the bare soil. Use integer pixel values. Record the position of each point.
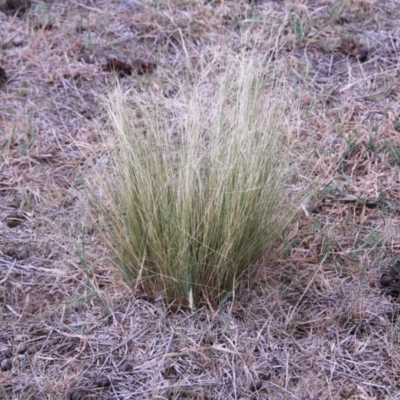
(316, 325)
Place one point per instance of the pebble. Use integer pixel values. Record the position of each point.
(22, 348)
(6, 364)
(8, 353)
(73, 394)
(126, 367)
(18, 41)
(256, 386)
(362, 54)
(102, 381)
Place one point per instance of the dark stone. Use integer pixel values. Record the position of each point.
(362, 54)
(102, 381)
(390, 281)
(6, 364)
(8, 353)
(15, 7)
(22, 348)
(73, 394)
(13, 220)
(126, 367)
(256, 386)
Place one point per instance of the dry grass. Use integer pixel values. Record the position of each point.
(318, 328)
(193, 192)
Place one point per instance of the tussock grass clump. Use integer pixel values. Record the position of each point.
(195, 193)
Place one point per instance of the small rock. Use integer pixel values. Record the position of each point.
(295, 379)
(362, 54)
(372, 202)
(73, 394)
(10, 252)
(22, 348)
(316, 209)
(142, 67)
(18, 254)
(126, 367)
(6, 364)
(256, 386)
(18, 41)
(390, 281)
(102, 381)
(13, 220)
(8, 353)
(15, 7)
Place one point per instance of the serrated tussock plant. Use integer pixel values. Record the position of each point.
(194, 191)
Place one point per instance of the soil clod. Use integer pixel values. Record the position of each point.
(15, 7)
(22, 348)
(6, 364)
(256, 386)
(126, 367)
(8, 353)
(142, 67)
(13, 220)
(316, 209)
(73, 394)
(102, 381)
(17, 254)
(390, 281)
(362, 54)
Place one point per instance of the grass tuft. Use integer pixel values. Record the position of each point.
(194, 191)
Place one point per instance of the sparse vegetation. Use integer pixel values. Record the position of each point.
(320, 321)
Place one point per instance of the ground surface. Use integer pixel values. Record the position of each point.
(317, 326)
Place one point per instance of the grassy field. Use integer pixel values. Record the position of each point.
(315, 323)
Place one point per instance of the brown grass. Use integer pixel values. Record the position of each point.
(317, 328)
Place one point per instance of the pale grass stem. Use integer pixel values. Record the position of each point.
(194, 191)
